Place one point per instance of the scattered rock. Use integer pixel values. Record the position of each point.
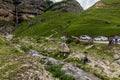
(31, 24)
(41, 20)
(52, 49)
(63, 37)
(9, 36)
(118, 61)
(35, 54)
(69, 68)
(51, 61)
(49, 39)
(77, 73)
(116, 56)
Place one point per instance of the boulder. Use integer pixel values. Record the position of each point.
(64, 48)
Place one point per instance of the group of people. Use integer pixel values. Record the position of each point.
(113, 40)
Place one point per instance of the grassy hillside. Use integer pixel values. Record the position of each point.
(16, 64)
(93, 22)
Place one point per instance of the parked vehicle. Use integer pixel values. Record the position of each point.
(85, 37)
(101, 38)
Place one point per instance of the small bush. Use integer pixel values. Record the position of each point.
(57, 55)
(56, 72)
(24, 48)
(68, 41)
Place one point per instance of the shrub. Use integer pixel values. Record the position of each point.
(56, 72)
(56, 55)
(24, 48)
(68, 41)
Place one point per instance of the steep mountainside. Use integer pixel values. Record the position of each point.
(10, 10)
(101, 19)
(20, 10)
(66, 6)
(46, 44)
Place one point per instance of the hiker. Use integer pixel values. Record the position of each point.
(111, 41)
(64, 55)
(91, 40)
(116, 39)
(64, 49)
(85, 59)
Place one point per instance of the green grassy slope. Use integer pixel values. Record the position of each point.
(93, 22)
(17, 65)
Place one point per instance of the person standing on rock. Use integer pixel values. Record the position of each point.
(64, 55)
(64, 49)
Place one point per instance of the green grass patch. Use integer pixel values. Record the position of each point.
(56, 72)
(92, 22)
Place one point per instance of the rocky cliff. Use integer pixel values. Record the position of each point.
(26, 8)
(67, 6)
(20, 10)
(29, 8)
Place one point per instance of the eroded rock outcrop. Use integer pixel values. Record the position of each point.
(67, 6)
(26, 9)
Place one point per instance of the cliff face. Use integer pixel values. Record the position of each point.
(6, 10)
(67, 6)
(26, 9)
(100, 4)
(29, 8)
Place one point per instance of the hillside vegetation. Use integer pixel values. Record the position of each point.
(93, 22)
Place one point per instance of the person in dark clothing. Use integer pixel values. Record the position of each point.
(110, 42)
(116, 41)
(85, 59)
